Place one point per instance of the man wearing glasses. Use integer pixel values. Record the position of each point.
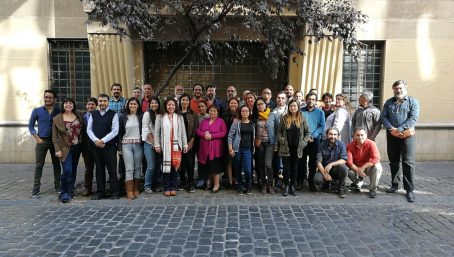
(399, 116)
(44, 116)
(267, 96)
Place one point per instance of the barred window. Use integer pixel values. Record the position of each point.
(364, 74)
(69, 74)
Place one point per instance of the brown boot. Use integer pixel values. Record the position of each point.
(87, 191)
(130, 189)
(136, 187)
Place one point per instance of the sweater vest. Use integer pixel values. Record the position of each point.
(102, 125)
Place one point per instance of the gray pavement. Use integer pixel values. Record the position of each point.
(201, 224)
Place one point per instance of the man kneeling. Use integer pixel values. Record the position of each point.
(331, 159)
(363, 159)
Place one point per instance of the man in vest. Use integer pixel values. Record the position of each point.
(103, 130)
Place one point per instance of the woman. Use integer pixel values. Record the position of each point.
(241, 147)
(212, 132)
(293, 135)
(191, 123)
(229, 116)
(67, 131)
(202, 107)
(171, 141)
(148, 136)
(340, 119)
(265, 142)
(130, 145)
(250, 100)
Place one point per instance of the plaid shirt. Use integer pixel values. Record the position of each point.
(117, 105)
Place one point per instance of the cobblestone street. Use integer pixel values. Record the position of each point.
(201, 224)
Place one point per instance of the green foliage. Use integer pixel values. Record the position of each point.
(199, 24)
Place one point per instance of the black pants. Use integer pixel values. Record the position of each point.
(405, 149)
(89, 161)
(187, 168)
(106, 158)
(290, 164)
(338, 173)
(264, 163)
(309, 151)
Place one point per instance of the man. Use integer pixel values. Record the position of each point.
(103, 130)
(331, 160)
(231, 93)
(316, 122)
(276, 114)
(367, 116)
(399, 116)
(137, 93)
(147, 94)
(327, 107)
(267, 96)
(289, 92)
(363, 159)
(116, 101)
(44, 116)
(179, 90)
(87, 148)
(197, 90)
(211, 96)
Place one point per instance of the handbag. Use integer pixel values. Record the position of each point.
(408, 133)
(175, 155)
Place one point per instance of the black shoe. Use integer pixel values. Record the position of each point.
(286, 191)
(191, 189)
(249, 191)
(292, 191)
(239, 191)
(372, 194)
(114, 197)
(410, 196)
(312, 188)
(35, 193)
(215, 191)
(342, 193)
(355, 188)
(392, 189)
(97, 197)
(299, 186)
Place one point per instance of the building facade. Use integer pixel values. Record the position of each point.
(47, 44)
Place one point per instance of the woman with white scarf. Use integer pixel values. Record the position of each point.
(340, 119)
(170, 136)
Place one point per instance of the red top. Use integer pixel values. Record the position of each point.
(359, 156)
(194, 105)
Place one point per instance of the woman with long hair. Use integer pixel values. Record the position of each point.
(130, 145)
(191, 123)
(148, 137)
(67, 132)
(212, 132)
(293, 135)
(241, 148)
(202, 106)
(340, 119)
(170, 140)
(265, 142)
(229, 116)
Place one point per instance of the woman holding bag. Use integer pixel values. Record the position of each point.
(171, 141)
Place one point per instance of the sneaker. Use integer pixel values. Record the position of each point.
(148, 190)
(249, 191)
(191, 189)
(342, 193)
(65, 198)
(57, 189)
(35, 193)
(355, 188)
(372, 194)
(392, 189)
(239, 191)
(410, 196)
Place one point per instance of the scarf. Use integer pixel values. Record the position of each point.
(169, 131)
(264, 115)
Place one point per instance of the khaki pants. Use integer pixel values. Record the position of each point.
(373, 172)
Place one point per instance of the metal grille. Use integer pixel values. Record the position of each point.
(364, 74)
(70, 70)
(250, 73)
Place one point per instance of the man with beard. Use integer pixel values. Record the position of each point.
(44, 116)
(267, 97)
(331, 163)
(276, 115)
(316, 122)
(289, 92)
(399, 116)
(179, 90)
(116, 101)
(102, 129)
(147, 94)
(197, 96)
(231, 93)
(210, 95)
(367, 116)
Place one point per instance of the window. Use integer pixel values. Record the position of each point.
(364, 74)
(250, 73)
(70, 70)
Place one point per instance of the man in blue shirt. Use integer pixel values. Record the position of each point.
(116, 101)
(44, 116)
(399, 116)
(316, 122)
(331, 162)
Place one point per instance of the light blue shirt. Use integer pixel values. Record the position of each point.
(400, 115)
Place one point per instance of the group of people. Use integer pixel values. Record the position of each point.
(151, 144)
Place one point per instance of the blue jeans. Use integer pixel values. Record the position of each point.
(243, 161)
(153, 165)
(68, 177)
(132, 156)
